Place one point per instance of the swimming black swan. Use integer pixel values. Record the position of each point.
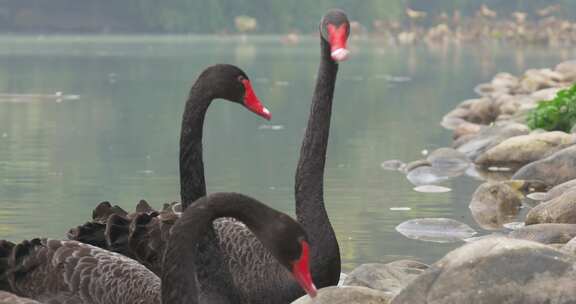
(219, 81)
(194, 268)
(143, 233)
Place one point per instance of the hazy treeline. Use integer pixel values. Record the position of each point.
(217, 16)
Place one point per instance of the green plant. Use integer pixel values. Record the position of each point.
(558, 114)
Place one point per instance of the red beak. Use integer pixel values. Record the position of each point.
(301, 271)
(337, 36)
(252, 102)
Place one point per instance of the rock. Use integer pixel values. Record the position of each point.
(534, 80)
(555, 169)
(509, 104)
(346, 295)
(569, 247)
(491, 175)
(489, 137)
(556, 246)
(546, 94)
(393, 165)
(486, 236)
(484, 89)
(389, 278)
(545, 233)
(520, 150)
(440, 165)
(568, 70)
(9, 298)
(482, 111)
(496, 203)
(439, 230)
(502, 83)
(415, 164)
(496, 270)
(506, 81)
(454, 118)
(553, 75)
(466, 129)
(449, 161)
(479, 111)
(426, 175)
(556, 191)
(561, 209)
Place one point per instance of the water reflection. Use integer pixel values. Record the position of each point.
(119, 142)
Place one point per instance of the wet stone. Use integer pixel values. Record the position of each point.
(496, 270)
(390, 278)
(439, 230)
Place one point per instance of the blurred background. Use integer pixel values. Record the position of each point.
(218, 16)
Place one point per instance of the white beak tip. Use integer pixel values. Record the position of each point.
(340, 54)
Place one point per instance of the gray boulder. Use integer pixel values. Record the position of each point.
(570, 247)
(426, 175)
(546, 94)
(393, 165)
(553, 170)
(519, 150)
(448, 160)
(545, 233)
(475, 145)
(496, 270)
(346, 295)
(502, 83)
(555, 192)
(439, 166)
(466, 129)
(479, 111)
(416, 164)
(9, 298)
(538, 79)
(496, 203)
(561, 209)
(439, 230)
(389, 278)
(568, 70)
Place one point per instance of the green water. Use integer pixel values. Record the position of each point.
(119, 141)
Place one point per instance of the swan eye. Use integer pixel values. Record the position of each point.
(241, 78)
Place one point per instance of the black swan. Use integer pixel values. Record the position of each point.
(143, 234)
(194, 268)
(309, 180)
(219, 81)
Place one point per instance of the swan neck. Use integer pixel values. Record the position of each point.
(193, 264)
(192, 182)
(309, 181)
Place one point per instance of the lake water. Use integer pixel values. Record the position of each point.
(119, 140)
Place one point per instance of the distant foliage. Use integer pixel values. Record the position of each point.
(218, 16)
(558, 114)
(245, 24)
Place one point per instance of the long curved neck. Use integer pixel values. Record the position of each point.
(310, 209)
(192, 183)
(193, 267)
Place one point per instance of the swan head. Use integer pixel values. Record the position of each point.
(287, 241)
(335, 29)
(301, 270)
(229, 82)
